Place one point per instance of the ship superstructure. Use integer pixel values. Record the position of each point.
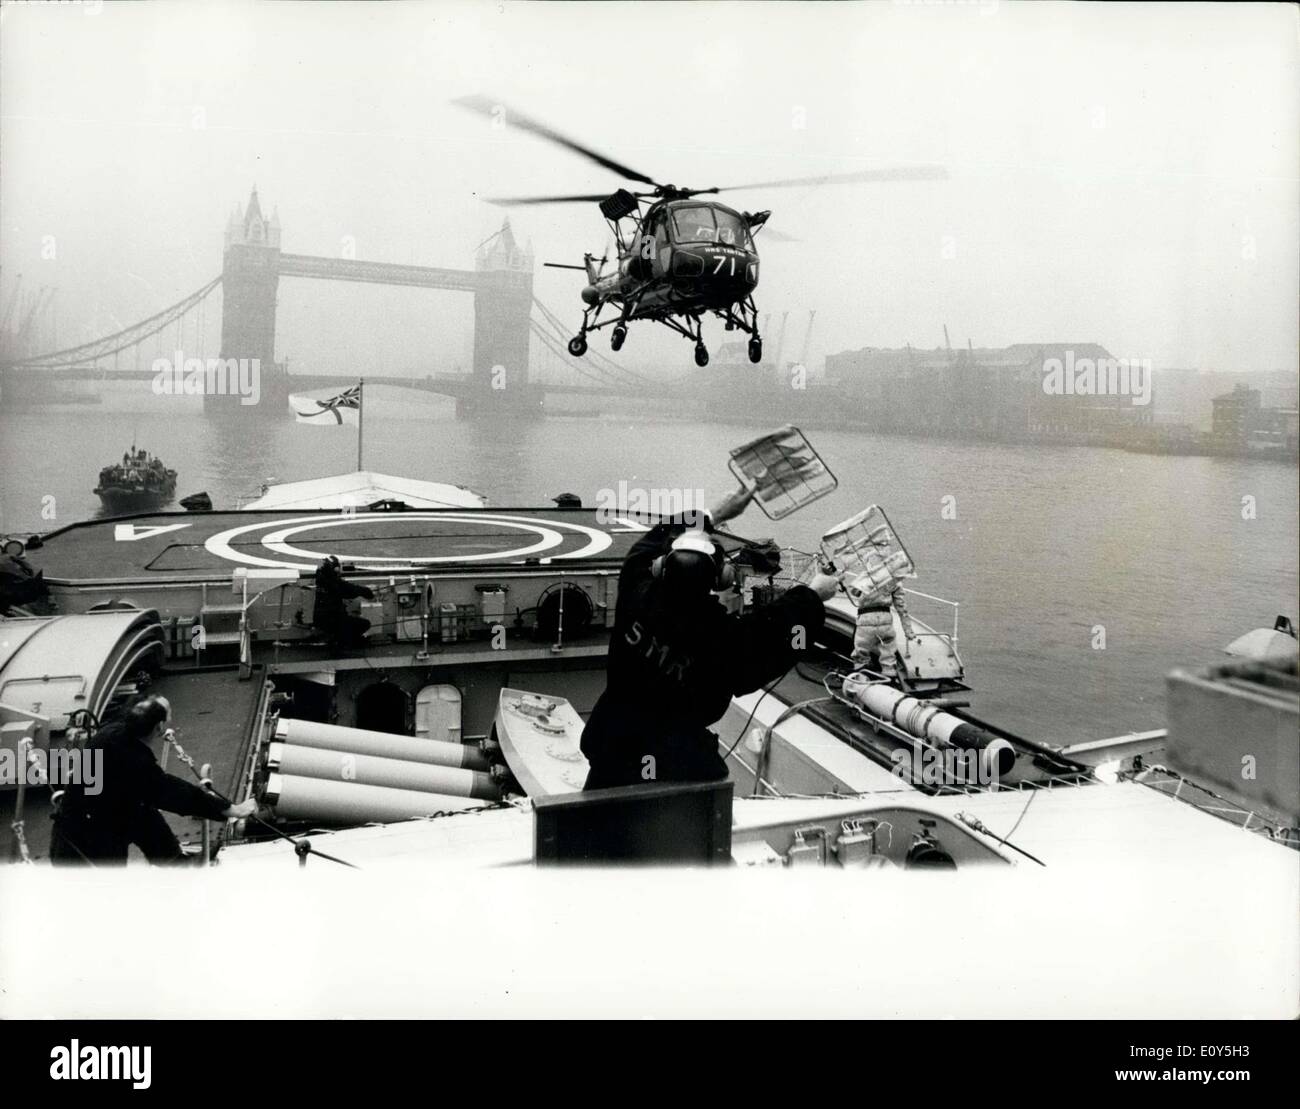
(451, 732)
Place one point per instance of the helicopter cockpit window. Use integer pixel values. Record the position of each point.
(710, 225)
(694, 225)
(731, 229)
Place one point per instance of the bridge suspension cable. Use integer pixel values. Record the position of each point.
(550, 330)
(598, 361)
(591, 373)
(128, 337)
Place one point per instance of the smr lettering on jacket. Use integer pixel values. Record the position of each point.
(672, 664)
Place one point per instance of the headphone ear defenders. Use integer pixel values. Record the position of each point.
(694, 542)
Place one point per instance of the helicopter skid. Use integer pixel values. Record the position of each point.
(687, 322)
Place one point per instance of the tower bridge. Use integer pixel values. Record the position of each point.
(253, 264)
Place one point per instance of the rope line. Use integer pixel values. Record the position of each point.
(18, 827)
(302, 847)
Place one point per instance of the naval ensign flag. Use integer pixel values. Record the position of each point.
(342, 409)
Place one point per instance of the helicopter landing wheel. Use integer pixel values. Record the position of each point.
(756, 350)
(701, 355)
(616, 339)
(578, 346)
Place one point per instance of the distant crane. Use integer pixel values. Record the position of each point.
(37, 305)
(38, 302)
(807, 336)
(780, 342)
(13, 300)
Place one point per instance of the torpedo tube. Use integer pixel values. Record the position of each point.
(370, 770)
(384, 745)
(295, 798)
(925, 720)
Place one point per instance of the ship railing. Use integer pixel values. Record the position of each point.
(951, 636)
(277, 622)
(245, 636)
(1190, 792)
(799, 566)
(261, 734)
(427, 614)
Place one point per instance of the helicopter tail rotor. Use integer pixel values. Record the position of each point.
(590, 266)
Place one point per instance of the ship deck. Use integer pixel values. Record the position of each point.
(208, 546)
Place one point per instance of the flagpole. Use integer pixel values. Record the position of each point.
(361, 419)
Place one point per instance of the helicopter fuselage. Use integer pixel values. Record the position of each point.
(683, 256)
(683, 259)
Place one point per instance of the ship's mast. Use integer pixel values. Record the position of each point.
(361, 419)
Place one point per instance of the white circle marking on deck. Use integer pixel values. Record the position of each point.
(597, 540)
(275, 541)
(221, 544)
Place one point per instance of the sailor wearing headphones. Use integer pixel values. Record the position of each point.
(676, 657)
(329, 614)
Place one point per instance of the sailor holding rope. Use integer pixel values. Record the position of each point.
(99, 828)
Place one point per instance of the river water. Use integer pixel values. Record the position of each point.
(1051, 551)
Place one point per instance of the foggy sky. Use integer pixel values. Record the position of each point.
(1121, 174)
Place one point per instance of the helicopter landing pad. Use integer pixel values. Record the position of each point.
(211, 545)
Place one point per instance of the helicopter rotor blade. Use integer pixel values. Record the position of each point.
(486, 106)
(898, 173)
(514, 201)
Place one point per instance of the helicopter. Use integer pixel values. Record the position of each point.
(680, 258)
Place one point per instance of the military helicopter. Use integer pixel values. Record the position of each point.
(679, 258)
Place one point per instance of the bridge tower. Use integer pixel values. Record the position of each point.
(503, 304)
(250, 277)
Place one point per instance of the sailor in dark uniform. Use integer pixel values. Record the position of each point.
(100, 827)
(676, 657)
(329, 614)
(19, 583)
